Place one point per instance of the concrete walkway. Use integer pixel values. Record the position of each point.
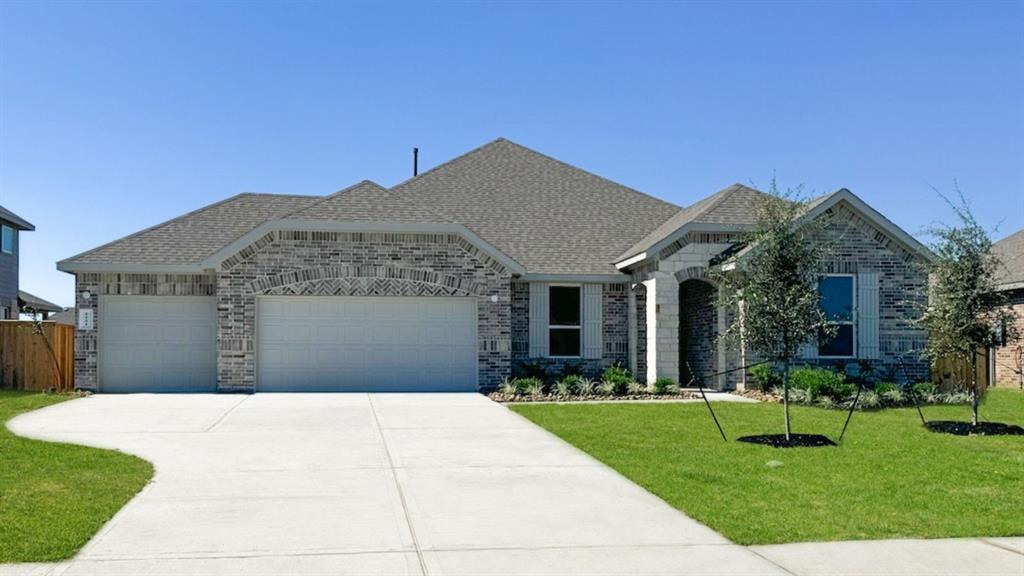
(410, 484)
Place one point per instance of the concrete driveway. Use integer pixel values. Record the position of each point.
(369, 484)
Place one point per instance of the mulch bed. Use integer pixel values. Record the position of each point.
(968, 429)
(795, 440)
(520, 398)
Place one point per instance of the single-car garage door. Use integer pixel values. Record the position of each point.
(326, 343)
(157, 344)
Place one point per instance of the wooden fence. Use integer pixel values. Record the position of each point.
(26, 362)
(950, 373)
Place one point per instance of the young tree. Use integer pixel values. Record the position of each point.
(965, 312)
(773, 283)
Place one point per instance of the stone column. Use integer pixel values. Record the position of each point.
(662, 327)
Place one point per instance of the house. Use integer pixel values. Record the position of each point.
(11, 225)
(1005, 361)
(65, 316)
(453, 280)
(36, 306)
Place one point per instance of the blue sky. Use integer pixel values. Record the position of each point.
(117, 116)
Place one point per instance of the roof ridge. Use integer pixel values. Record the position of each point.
(332, 195)
(542, 155)
(160, 225)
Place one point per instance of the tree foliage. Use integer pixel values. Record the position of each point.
(965, 312)
(774, 280)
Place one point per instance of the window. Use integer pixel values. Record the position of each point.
(7, 240)
(836, 296)
(564, 321)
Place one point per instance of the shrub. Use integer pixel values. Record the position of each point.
(635, 388)
(530, 386)
(924, 389)
(606, 388)
(817, 382)
(572, 368)
(764, 378)
(617, 377)
(532, 368)
(884, 387)
(665, 386)
(508, 386)
(869, 399)
(568, 385)
(585, 387)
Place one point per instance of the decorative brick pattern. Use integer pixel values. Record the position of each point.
(103, 284)
(360, 264)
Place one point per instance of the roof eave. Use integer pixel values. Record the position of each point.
(655, 248)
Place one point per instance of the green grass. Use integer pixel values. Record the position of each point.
(54, 497)
(891, 478)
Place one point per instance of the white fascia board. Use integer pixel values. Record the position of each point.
(578, 278)
(1009, 286)
(332, 226)
(630, 261)
(683, 230)
(129, 268)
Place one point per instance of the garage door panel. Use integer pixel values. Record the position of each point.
(157, 344)
(366, 343)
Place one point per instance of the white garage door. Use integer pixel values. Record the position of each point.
(324, 343)
(157, 344)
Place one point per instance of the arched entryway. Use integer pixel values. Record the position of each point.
(698, 331)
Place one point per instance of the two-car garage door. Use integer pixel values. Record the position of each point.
(366, 343)
(168, 344)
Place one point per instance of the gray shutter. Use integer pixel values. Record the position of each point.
(593, 346)
(538, 319)
(867, 315)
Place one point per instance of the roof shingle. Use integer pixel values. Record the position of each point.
(1011, 251)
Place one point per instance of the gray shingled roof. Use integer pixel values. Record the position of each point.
(1011, 251)
(13, 218)
(367, 202)
(549, 216)
(190, 238)
(28, 300)
(732, 206)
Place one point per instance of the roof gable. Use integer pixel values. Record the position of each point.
(1011, 251)
(549, 216)
(19, 222)
(365, 202)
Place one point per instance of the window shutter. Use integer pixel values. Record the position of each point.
(867, 315)
(593, 346)
(538, 319)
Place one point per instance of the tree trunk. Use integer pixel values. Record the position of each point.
(785, 394)
(974, 389)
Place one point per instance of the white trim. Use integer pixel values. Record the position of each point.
(578, 328)
(683, 230)
(851, 322)
(577, 278)
(632, 260)
(1009, 286)
(72, 267)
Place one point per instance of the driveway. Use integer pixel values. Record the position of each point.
(369, 484)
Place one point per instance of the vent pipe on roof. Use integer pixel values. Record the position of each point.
(415, 161)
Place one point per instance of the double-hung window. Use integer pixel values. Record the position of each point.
(564, 326)
(836, 297)
(7, 239)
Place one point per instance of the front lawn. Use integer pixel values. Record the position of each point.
(54, 497)
(891, 478)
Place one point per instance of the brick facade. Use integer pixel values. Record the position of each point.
(1006, 367)
(115, 284)
(615, 332)
(359, 264)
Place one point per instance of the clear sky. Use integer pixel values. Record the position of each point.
(117, 116)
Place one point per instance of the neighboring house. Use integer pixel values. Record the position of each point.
(36, 306)
(11, 225)
(1005, 361)
(453, 280)
(65, 316)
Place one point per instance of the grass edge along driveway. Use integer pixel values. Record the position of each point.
(54, 497)
(890, 479)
